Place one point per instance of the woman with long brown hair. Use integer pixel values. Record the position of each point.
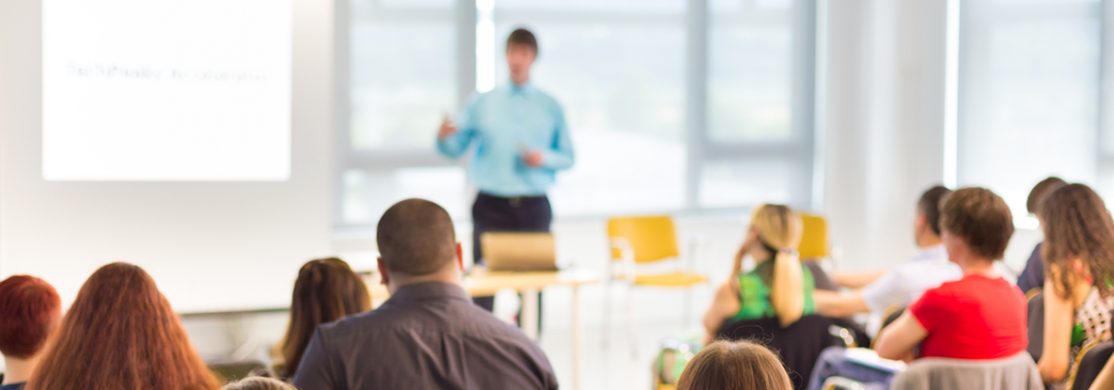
(326, 290)
(1078, 254)
(121, 333)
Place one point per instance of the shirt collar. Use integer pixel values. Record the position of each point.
(429, 290)
(524, 89)
(935, 252)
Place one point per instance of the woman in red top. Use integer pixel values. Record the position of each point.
(978, 317)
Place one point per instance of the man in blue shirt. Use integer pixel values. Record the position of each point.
(520, 141)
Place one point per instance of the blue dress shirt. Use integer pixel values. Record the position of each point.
(505, 123)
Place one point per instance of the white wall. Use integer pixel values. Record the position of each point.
(207, 244)
(883, 122)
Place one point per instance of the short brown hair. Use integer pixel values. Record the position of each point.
(522, 36)
(738, 365)
(979, 217)
(29, 311)
(259, 383)
(416, 238)
(1041, 191)
(929, 206)
(1077, 225)
(326, 290)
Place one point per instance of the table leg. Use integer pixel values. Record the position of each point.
(576, 335)
(528, 320)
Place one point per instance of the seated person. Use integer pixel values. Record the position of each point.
(1079, 252)
(778, 286)
(326, 290)
(906, 282)
(981, 316)
(734, 365)
(121, 333)
(429, 334)
(29, 313)
(1032, 277)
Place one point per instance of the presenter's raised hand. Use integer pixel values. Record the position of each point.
(448, 128)
(532, 158)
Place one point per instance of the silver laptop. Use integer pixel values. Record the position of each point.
(507, 251)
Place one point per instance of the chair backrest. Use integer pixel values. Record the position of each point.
(798, 345)
(648, 238)
(1089, 363)
(814, 239)
(1014, 372)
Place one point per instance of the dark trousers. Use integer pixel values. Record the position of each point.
(498, 214)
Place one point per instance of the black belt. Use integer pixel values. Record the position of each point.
(514, 201)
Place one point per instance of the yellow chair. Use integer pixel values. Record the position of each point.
(641, 241)
(815, 244)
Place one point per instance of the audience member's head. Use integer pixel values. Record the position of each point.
(741, 365)
(326, 290)
(976, 225)
(926, 226)
(1077, 226)
(417, 243)
(778, 227)
(29, 312)
(121, 333)
(259, 383)
(1040, 192)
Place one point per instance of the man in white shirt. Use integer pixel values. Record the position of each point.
(879, 291)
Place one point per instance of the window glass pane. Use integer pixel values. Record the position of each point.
(400, 88)
(751, 69)
(367, 194)
(1028, 100)
(728, 183)
(624, 6)
(622, 86)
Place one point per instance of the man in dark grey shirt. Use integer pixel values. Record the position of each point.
(428, 335)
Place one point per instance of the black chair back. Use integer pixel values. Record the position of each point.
(1091, 364)
(1036, 326)
(798, 345)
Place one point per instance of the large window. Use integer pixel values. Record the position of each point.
(1030, 94)
(672, 104)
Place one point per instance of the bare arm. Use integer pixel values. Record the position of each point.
(855, 280)
(1058, 319)
(834, 304)
(1105, 380)
(899, 339)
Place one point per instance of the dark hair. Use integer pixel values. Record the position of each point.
(121, 333)
(981, 218)
(739, 365)
(326, 290)
(29, 311)
(1041, 191)
(416, 237)
(1077, 225)
(929, 206)
(522, 36)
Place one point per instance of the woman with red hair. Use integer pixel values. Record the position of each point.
(121, 333)
(29, 312)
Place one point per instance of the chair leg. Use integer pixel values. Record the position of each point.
(632, 336)
(606, 313)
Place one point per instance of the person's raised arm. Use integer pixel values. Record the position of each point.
(1058, 318)
(453, 138)
(855, 280)
(898, 340)
(787, 292)
(836, 304)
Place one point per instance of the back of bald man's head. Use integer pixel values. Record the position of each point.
(416, 238)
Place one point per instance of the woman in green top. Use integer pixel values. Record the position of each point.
(778, 285)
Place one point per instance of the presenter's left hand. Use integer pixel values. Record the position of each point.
(532, 158)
